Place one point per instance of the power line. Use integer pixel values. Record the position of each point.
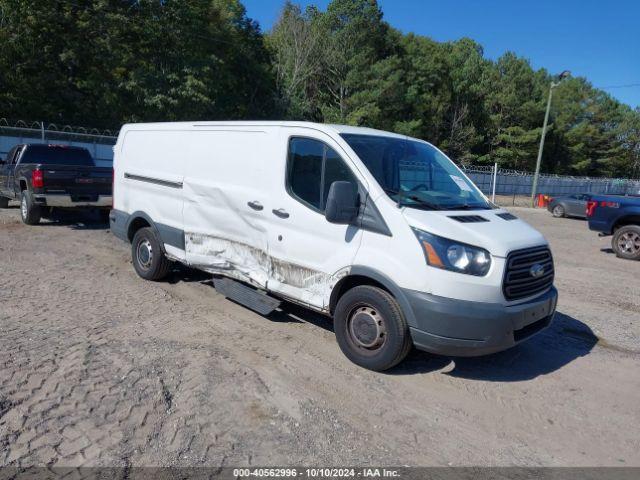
(629, 85)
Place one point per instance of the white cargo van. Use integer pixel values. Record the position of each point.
(379, 231)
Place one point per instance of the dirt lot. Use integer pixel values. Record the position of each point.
(98, 367)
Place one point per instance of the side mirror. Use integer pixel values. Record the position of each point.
(342, 203)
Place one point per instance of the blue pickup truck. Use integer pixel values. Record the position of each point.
(619, 216)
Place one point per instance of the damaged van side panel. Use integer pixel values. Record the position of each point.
(313, 287)
(249, 264)
(227, 257)
(225, 173)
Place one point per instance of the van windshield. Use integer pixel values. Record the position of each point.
(416, 174)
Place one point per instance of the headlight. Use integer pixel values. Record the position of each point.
(455, 256)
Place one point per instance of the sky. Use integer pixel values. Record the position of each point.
(599, 40)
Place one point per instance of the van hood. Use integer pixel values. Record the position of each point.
(496, 234)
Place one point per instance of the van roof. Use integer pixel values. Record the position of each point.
(325, 127)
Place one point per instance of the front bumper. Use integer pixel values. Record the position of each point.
(461, 328)
(71, 201)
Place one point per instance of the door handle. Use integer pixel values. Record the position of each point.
(255, 205)
(281, 212)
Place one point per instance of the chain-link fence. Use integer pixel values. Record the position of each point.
(98, 142)
(510, 185)
(517, 184)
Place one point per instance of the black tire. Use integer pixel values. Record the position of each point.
(558, 211)
(626, 242)
(29, 212)
(368, 306)
(4, 202)
(156, 265)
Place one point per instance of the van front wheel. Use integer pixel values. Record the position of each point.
(147, 256)
(370, 328)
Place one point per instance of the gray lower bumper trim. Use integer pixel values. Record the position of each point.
(120, 221)
(456, 327)
(118, 224)
(66, 201)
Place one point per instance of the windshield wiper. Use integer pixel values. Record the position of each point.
(466, 206)
(402, 195)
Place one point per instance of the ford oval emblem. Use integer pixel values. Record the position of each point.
(536, 271)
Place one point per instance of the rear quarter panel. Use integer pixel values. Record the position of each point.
(154, 153)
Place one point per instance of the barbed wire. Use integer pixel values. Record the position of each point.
(54, 128)
(488, 170)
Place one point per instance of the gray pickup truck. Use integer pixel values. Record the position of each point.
(46, 177)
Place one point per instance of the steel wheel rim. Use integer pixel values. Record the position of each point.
(23, 207)
(366, 329)
(629, 242)
(144, 254)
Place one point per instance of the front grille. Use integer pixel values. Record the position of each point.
(518, 280)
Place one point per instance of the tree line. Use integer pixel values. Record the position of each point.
(101, 63)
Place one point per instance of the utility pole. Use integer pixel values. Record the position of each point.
(534, 188)
(493, 187)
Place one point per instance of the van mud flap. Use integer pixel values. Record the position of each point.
(256, 300)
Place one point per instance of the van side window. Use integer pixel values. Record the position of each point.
(334, 170)
(311, 169)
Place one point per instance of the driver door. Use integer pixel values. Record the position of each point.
(309, 254)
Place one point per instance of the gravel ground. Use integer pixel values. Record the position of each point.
(100, 368)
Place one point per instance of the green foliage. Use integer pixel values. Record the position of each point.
(366, 73)
(104, 62)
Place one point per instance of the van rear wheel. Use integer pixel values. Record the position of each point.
(147, 256)
(371, 329)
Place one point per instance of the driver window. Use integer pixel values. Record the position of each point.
(312, 167)
(335, 170)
